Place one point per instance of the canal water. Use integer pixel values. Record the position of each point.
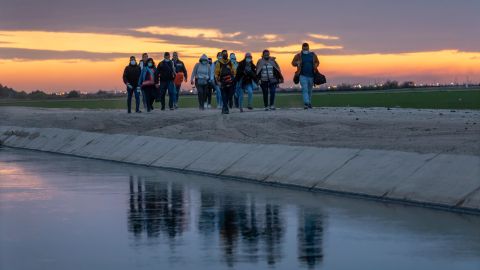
(60, 212)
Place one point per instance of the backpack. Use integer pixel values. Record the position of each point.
(226, 75)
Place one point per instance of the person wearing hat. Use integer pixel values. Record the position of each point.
(201, 79)
(306, 62)
(225, 76)
(246, 77)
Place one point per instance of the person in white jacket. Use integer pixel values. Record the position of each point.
(201, 78)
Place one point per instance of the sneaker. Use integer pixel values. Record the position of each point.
(272, 108)
(209, 106)
(310, 106)
(138, 112)
(171, 109)
(241, 109)
(163, 109)
(129, 112)
(266, 109)
(305, 106)
(204, 106)
(250, 107)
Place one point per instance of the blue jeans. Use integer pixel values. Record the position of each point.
(307, 86)
(144, 99)
(164, 87)
(130, 93)
(266, 88)
(249, 88)
(218, 95)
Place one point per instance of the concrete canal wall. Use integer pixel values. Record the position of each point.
(436, 180)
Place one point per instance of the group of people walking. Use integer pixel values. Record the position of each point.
(225, 77)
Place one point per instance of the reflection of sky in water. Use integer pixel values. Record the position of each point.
(85, 214)
(18, 185)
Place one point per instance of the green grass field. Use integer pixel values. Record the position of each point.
(431, 99)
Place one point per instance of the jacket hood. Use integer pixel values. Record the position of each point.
(203, 57)
(223, 61)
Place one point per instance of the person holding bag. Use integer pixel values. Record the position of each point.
(307, 64)
(269, 74)
(147, 82)
(201, 78)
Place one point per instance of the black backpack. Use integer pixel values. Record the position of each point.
(226, 75)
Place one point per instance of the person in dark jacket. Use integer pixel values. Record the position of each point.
(147, 82)
(166, 75)
(131, 73)
(246, 80)
(181, 76)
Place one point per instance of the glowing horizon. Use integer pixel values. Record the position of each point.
(88, 55)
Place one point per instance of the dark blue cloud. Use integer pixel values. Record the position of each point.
(364, 26)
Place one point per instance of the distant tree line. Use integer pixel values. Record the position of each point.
(9, 93)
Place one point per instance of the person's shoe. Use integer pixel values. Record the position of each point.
(272, 108)
(250, 107)
(175, 106)
(266, 109)
(209, 106)
(241, 109)
(163, 108)
(310, 106)
(138, 112)
(305, 106)
(204, 106)
(148, 110)
(171, 109)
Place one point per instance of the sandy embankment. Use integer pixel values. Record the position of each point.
(422, 131)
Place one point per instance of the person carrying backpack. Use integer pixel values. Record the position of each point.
(181, 76)
(306, 63)
(147, 82)
(201, 79)
(166, 74)
(270, 76)
(131, 73)
(246, 77)
(225, 76)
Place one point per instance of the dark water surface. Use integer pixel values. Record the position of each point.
(59, 212)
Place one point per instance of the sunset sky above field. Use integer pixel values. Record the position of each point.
(60, 45)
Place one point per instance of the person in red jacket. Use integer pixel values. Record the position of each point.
(181, 75)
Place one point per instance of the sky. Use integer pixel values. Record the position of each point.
(62, 45)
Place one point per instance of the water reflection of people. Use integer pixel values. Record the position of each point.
(246, 229)
(310, 237)
(156, 207)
